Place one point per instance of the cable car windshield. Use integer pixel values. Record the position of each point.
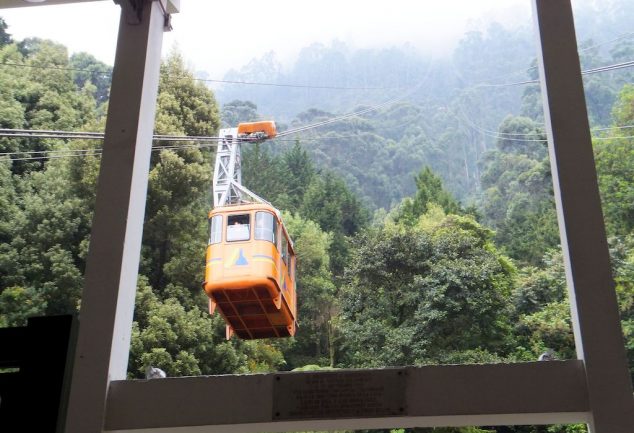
(238, 227)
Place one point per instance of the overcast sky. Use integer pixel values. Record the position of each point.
(215, 36)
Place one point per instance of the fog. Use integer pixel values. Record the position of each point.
(215, 37)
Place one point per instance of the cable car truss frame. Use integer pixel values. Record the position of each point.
(227, 180)
(594, 389)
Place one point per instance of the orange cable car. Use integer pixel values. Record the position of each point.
(250, 261)
(250, 271)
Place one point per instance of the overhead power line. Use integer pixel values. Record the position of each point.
(613, 138)
(360, 112)
(77, 135)
(613, 127)
(608, 67)
(298, 86)
(530, 136)
(308, 86)
(54, 68)
(605, 68)
(208, 80)
(304, 86)
(339, 118)
(618, 38)
(609, 128)
(579, 50)
(84, 152)
(211, 141)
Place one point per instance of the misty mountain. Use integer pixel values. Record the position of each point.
(444, 112)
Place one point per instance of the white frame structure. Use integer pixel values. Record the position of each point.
(227, 180)
(107, 306)
(594, 389)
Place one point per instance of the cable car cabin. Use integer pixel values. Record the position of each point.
(250, 271)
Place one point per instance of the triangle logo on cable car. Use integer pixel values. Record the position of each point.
(240, 260)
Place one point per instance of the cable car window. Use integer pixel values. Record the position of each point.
(215, 236)
(291, 270)
(284, 249)
(238, 227)
(265, 227)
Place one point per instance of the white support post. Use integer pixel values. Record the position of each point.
(112, 266)
(593, 303)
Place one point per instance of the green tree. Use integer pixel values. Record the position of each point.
(435, 292)
(518, 199)
(236, 111)
(547, 329)
(330, 203)
(262, 173)
(315, 341)
(184, 106)
(541, 311)
(12, 86)
(48, 238)
(87, 69)
(336, 209)
(175, 229)
(42, 96)
(539, 286)
(429, 191)
(17, 304)
(298, 171)
(17, 301)
(9, 209)
(599, 91)
(52, 100)
(182, 342)
(5, 38)
(623, 270)
(614, 157)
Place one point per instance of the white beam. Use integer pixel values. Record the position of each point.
(6, 4)
(107, 301)
(500, 394)
(595, 316)
(172, 6)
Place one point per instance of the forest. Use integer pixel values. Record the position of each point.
(425, 231)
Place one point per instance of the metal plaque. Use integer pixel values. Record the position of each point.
(339, 394)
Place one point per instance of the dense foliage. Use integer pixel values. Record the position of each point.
(425, 231)
(434, 293)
